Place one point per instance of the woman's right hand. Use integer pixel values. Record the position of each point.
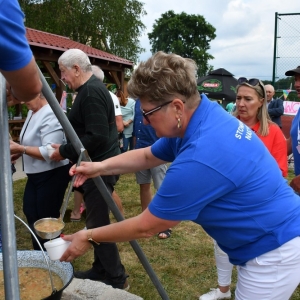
(84, 171)
(79, 245)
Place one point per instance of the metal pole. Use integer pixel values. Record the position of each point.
(75, 141)
(291, 14)
(275, 50)
(10, 263)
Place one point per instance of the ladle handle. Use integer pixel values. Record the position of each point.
(65, 204)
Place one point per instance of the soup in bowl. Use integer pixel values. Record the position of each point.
(48, 228)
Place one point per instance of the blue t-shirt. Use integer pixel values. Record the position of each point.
(14, 48)
(144, 134)
(224, 178)
(294, 138)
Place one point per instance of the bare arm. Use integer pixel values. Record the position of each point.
(142, 226)
(18, 149)
(119, 122)
(128, 162)
(25, 83)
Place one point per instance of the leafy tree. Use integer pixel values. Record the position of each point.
(111, 26)
(284, 83)
(185, 35)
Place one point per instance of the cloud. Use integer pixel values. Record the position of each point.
(244, 29)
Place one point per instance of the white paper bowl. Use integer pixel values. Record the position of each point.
(56, 248)
(50, 150)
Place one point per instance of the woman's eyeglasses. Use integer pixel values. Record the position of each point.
(147, 113)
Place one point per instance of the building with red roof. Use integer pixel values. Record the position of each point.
(48, 47)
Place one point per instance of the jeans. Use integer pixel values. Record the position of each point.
(127, 142)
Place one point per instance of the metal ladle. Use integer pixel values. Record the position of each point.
(59, 221)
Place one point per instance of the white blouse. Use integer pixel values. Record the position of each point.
(39, 130)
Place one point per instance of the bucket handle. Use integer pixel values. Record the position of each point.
(51, 279)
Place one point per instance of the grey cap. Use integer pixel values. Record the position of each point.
(293, 72)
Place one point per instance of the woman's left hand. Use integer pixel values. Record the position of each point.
(79, 245)
(126, 123)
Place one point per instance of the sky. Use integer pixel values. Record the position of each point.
(244, 44)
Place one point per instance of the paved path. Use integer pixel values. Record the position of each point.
(19, 174)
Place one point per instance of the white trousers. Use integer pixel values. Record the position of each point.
(224, 267)
(271, 276)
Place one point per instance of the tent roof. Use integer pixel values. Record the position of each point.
(218, 84)
(220, 71)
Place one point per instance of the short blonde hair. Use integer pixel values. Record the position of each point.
(163, 76)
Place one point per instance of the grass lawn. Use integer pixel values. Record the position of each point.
(184, 263)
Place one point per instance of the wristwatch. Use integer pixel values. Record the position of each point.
(90, 238)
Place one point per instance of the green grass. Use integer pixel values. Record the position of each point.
(184, 263)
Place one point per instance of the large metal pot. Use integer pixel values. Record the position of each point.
(36, 259)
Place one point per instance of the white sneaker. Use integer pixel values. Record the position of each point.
(215, 294)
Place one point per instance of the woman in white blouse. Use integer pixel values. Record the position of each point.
(47, 179)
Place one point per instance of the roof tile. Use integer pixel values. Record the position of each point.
(58, 42)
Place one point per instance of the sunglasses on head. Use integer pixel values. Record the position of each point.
(253, 82)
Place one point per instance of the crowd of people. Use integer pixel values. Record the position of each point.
(248, 183)
(235, 166)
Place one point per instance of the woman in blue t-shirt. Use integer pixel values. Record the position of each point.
(222, 177)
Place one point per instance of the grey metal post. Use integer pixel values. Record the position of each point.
(72, 136)
(275, 50)
(10, 263)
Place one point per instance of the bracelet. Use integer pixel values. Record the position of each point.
(25, 147)
(90, 238)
